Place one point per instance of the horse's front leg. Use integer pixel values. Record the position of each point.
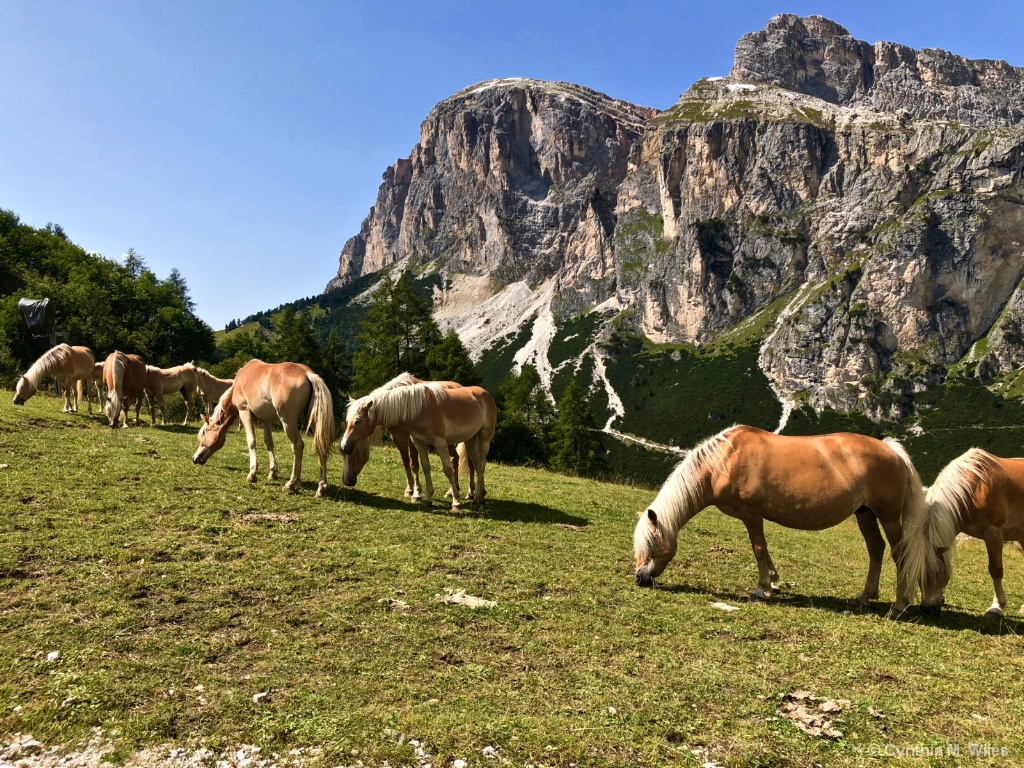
(67, 395)
(295, 437)
(245, 418)
(755, 529)
(189, 398)
(422, 448)
(868, 524)
(994, 545)
(411, 482)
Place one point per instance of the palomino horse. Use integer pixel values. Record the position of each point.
(280, 392)
(124, 376)
(211, 387)
(356, 460)
(978, 494)
(97, 380)
(809, 483)
(432, 416)
(160, 381)
(69, 365)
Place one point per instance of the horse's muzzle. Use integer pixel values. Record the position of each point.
(348, 482)
(932, 611)
(199, 459)
(643, 581)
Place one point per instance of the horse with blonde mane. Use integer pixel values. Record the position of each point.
(160, 381)
(808, 483)
(124, 377)
(210, 386)
(273, 392)
(979, 494)
(71, 366)
(432, 416)
(356, 460)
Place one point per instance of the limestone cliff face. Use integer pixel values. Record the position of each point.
(857, 210)
(514, 179)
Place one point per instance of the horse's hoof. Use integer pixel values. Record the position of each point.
(758, 595)
(995, 612)
(410, 494)
(251, 479)
(321, 491)
(897, 611)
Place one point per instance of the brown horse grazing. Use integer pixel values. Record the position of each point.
(978, 494)
(124, 376)
(280, 392)
(432, 416)
(809, 483)
(356, 460)
(69, 365)
(160, 381)
(97, 381)
(211, 387)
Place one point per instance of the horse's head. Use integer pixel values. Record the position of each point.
(653, 549)
(360, 425)
(23, 391)
(355, 461)
(113, 408)
(211, 436)
(935, 580)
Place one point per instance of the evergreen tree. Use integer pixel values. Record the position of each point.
(449, 360)
(396, 334)
(295, 342)
(336, 365)
(576, 446)
(524, 419)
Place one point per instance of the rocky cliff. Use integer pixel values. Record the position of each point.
(855, 211)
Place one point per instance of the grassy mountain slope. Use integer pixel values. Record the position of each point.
(174, 593)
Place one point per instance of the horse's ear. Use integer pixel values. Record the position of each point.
(942, 550)
(368, 405)
(652, 516)
(205, 418)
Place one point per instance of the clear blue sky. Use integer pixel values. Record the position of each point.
(243, 142)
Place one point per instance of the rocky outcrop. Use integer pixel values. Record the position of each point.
(856, 210)
(820, 58)
(513, 179)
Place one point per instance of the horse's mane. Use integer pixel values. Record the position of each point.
(203, 372)
(402, 404)
(401, 380)
(946, 502)
(120, 363)
(225, 407)
(680, 496)
(58, 357)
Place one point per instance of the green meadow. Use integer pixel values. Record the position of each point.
(155, 599)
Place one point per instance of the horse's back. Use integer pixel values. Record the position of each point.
(260, 386)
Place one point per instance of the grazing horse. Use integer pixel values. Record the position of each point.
(124, 376)
(356, 460)
(69, 365)
(432, 416)
(273, 392)
(978, 494)
(809, 483)
(97, 380)
(211, 387)
(160, 381)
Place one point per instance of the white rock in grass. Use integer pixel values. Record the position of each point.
(459, 763)
(261, 697)
(53, 656)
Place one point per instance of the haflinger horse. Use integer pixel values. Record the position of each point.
(273, 392)
(124, 377)
(357, 458)
(71, 366)
(97, 380)
(210, 386)
(160, 381)
(809, 483)
(981, 495)
(432, 416)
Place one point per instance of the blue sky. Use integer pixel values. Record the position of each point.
(243, 142)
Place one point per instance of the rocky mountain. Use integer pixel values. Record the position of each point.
(853, 215)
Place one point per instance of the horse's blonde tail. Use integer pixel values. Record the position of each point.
(912, 553)
(321, 415)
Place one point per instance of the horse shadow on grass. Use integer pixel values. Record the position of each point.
(951, 618)
(494, 509)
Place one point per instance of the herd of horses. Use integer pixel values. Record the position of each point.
(807, 483)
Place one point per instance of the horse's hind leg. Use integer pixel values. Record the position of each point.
(246, 419)
(295, 437)
(868, 524)
(441, 446)
(428, 496)
(188, 395)
(755, 529)
(268, 440)
(994, 545)
(904, 591)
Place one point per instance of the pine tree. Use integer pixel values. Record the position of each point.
(396, 334)
(336, 365)
(295, 342)
(524, 419)
(449, 360)
(576, 446)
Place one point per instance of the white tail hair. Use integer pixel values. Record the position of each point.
(681, 497)
(320, 416)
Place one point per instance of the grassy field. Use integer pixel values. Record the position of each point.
(173, 594)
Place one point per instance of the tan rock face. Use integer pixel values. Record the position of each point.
(868, 200)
